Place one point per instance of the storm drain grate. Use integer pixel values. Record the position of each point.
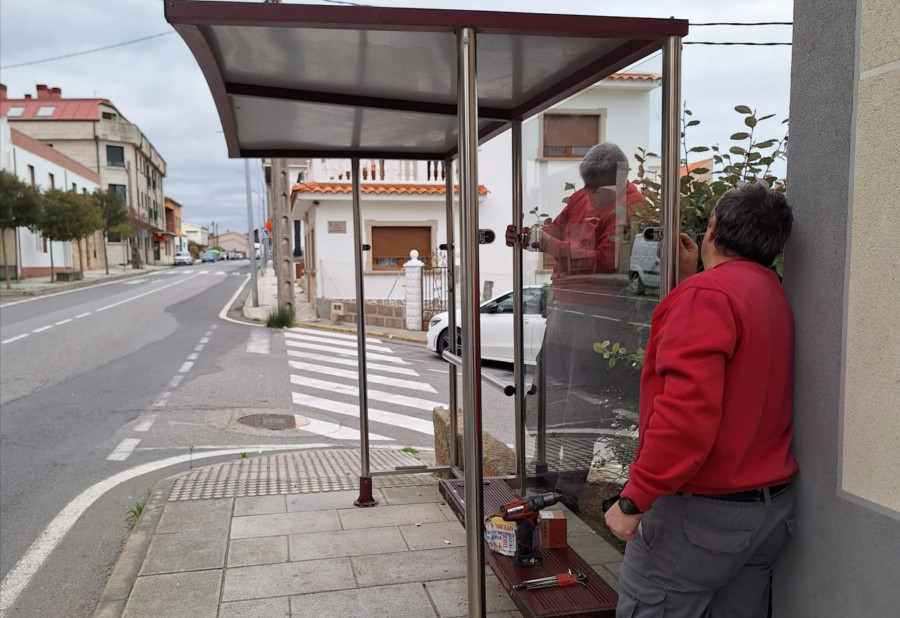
(275, 422)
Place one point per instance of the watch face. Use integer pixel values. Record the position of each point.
(628, 507)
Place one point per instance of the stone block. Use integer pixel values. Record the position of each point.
(497, 458)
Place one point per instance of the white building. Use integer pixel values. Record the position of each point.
(403, 204)
(195, 234)
(43, 168)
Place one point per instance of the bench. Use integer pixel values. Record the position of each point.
(595, 599)
(69, 275)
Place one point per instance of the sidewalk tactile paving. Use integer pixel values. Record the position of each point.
(300, 472)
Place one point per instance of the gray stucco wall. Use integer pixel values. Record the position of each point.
(845, 557)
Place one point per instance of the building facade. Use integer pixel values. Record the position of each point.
(94, 133)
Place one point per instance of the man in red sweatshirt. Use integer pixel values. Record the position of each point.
(708, 504)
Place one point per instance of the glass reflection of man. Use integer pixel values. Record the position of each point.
(586, 241)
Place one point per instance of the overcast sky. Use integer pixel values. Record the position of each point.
(157, 84)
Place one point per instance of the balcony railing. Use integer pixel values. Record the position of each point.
(386, 171)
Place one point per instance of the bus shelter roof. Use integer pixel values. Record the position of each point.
(295, 80)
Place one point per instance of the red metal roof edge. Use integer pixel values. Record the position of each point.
(63, 105)
(51, 154)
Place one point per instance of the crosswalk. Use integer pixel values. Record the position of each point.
(324, 375)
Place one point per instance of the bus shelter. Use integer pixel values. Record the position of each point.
(313, 81)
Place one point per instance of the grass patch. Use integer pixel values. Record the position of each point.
(410, 450)
(134, 513)
(282, 317)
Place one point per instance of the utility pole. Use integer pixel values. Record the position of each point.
(254, 291)
(283, 259)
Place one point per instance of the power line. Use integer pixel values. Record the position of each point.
(89, 51)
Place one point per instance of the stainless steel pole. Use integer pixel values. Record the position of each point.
(467, 111)
(671, 163)
(451, 314)
(254, 290)
(365, 478)
(518, 318)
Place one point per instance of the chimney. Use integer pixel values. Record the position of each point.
(28, 97)
(56, 94)
(3, 92)
(43, 93)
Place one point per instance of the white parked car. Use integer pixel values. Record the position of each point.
(184, 258)
(497, 327)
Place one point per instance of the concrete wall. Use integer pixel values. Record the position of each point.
(841, 278)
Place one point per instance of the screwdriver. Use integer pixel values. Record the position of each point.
(561, 580)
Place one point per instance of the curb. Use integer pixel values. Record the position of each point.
(54, 288)
(128, 566)
(372, 333)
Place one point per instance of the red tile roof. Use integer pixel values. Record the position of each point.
(64, 109)
(377, 189)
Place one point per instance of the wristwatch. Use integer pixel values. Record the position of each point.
(628, 507)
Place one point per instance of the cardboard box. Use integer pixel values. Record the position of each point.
(553, 530)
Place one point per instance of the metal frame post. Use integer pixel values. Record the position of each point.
(365, 477)
(467, 93)
(251, 247)
(671, 163)
(518, 308)
(451, 315)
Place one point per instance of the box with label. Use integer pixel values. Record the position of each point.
(552, 525)
(500, 536)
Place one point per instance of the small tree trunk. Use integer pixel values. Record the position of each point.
(81, 252)
(50, 243)
(105, 254)
(5, 260)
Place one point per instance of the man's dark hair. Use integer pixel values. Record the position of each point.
(753, 222)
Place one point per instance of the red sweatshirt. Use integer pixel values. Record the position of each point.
(717, 387)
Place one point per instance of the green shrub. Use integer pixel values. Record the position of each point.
(282, 317)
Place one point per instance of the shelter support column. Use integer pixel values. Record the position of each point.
(451, 315)
(671, 163)
(518, 317)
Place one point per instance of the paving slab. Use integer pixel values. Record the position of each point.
(434, 536)
(399, 515)
(195, 515)
(450, 597)
(411, 495)
(400, 601)
(262, 550)
(358, 542)
(412, 566)
(325, 500)
(195, 550)
(280, 524)
(594, 549)
(270, 580)
(194, 594)
(278, 607)
(259, 505)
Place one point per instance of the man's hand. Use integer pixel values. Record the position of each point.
(687, 257)
(622, 525)
(512, 237)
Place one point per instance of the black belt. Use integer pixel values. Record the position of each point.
(752, 495)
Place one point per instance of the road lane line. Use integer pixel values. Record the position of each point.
(123, 450)
(18, 577)
(259, 342)
(344, 389)
(16, 338)
(162, 399)
(378, 416)
(83, 315)
(175, 381)
(145, 424)
(198, 348)
(42, 329)
(325, 333)
(343, 351)
(335, 342)
(354, 375)
(204, 340)
(192, 356)
(153, 291)
(61, 322)
(349, 362)
(186, 367)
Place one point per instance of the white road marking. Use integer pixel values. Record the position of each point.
(83, 315)
(175, 381)
(198, 347)
(333, 430)
(352, 363)
(204, 272)
(259, 342)
(344, 351)
(328, 333)
(133, 282)
(121, 452)
(153, 291)
(378, 416)
(162, 399)
(220, 273)
(145, 424)
(184, 423)
(42, 329)
(192, 356)
(186, 367)
(354, 375)
(334, 387)
(204, 340)
(18, 577)
(61, 322)
(16, 338)
(337, 342)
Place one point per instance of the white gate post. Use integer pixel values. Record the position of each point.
(413, 270)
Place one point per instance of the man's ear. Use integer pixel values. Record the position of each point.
(711, 230)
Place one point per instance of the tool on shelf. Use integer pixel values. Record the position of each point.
(525, 513)
(554, 581)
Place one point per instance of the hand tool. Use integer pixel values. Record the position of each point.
(562, 580)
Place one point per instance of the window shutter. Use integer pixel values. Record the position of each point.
(391, 245)
(570, 135)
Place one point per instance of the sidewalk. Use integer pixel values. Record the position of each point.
(42, 286)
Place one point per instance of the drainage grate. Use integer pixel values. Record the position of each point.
(275, 422)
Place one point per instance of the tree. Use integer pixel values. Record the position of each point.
(20, 206)
(114, 215)
(89, 219)
(60, 218)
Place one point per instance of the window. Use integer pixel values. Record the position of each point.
(120, 191)
(570, 136)
(52, 181)
(45, 111)
(16, 111)
(115, 156)
(391, 246)
(109, 116)
(74, 188)
(31, 174)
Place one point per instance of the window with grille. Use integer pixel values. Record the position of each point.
(391, 246)
(570, 136)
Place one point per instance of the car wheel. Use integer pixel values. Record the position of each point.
(443, 341)
(637, 286)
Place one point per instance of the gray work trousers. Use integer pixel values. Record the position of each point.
(697, 557)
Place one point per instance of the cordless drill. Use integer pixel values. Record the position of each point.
(525, 514)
